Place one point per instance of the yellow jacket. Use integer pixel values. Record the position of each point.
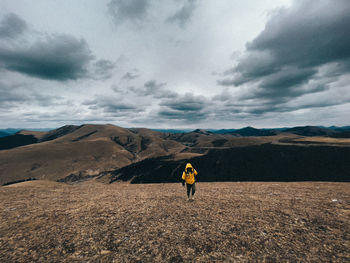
(189, 176)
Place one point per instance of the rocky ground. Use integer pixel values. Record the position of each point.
(227, 222)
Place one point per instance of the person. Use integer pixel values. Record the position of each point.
(189, 178)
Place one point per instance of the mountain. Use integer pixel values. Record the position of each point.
(76, 153)
(250, 131)
(7, 132)
(337, 128)
(311, 131)
(223, 131)
(172, 130)
(3, 134)
(88, 148)
(247, 131)
(54, 134)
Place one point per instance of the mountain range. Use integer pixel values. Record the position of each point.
(74, 153)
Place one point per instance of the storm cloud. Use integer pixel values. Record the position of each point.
(112, 105)
(12, 25)
(185, 107)
(150, 63)
(283, 60)
(59, 57)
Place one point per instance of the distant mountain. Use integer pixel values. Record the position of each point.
(223, 131)
(172, 130)
(82, 152)
(9, 131)
(337, 128)
(250, 131)
(311, 131)
(202, 131)
(3, 134)
(15, 130)
(247, 131)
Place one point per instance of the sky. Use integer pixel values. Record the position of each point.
(174, 63)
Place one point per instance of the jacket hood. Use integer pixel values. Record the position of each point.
(188, 165)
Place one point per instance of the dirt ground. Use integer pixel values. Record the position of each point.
(227, 222)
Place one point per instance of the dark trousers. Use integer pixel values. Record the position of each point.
(189, 187)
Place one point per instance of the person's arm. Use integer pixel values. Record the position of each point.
(183, 179)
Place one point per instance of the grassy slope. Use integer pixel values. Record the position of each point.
(91, 147)
(242, 222)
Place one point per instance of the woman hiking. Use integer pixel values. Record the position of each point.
(188, 177)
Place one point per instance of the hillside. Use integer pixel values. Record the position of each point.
(87, 149)
(250, 131)
(266, 162)
(16, 140)
(77, 153)
(228, 222)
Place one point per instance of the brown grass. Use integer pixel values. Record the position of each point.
(327, 140)
(242, 222)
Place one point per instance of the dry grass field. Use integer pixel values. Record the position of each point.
(44, 221)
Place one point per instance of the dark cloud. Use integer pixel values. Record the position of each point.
(288, 54)
(182, 116)
(111, 105)
(11, 26)
(59, 57)
(289, 79)
(186, 107)
(54, 57)
(154, 89)
(310, 33)
(128, 10)
(184, 14)
(117, 107)
(186, 103)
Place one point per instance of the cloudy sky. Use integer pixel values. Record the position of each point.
(174, 63)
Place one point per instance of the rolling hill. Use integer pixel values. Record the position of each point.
(76, 153)
(88, 148)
